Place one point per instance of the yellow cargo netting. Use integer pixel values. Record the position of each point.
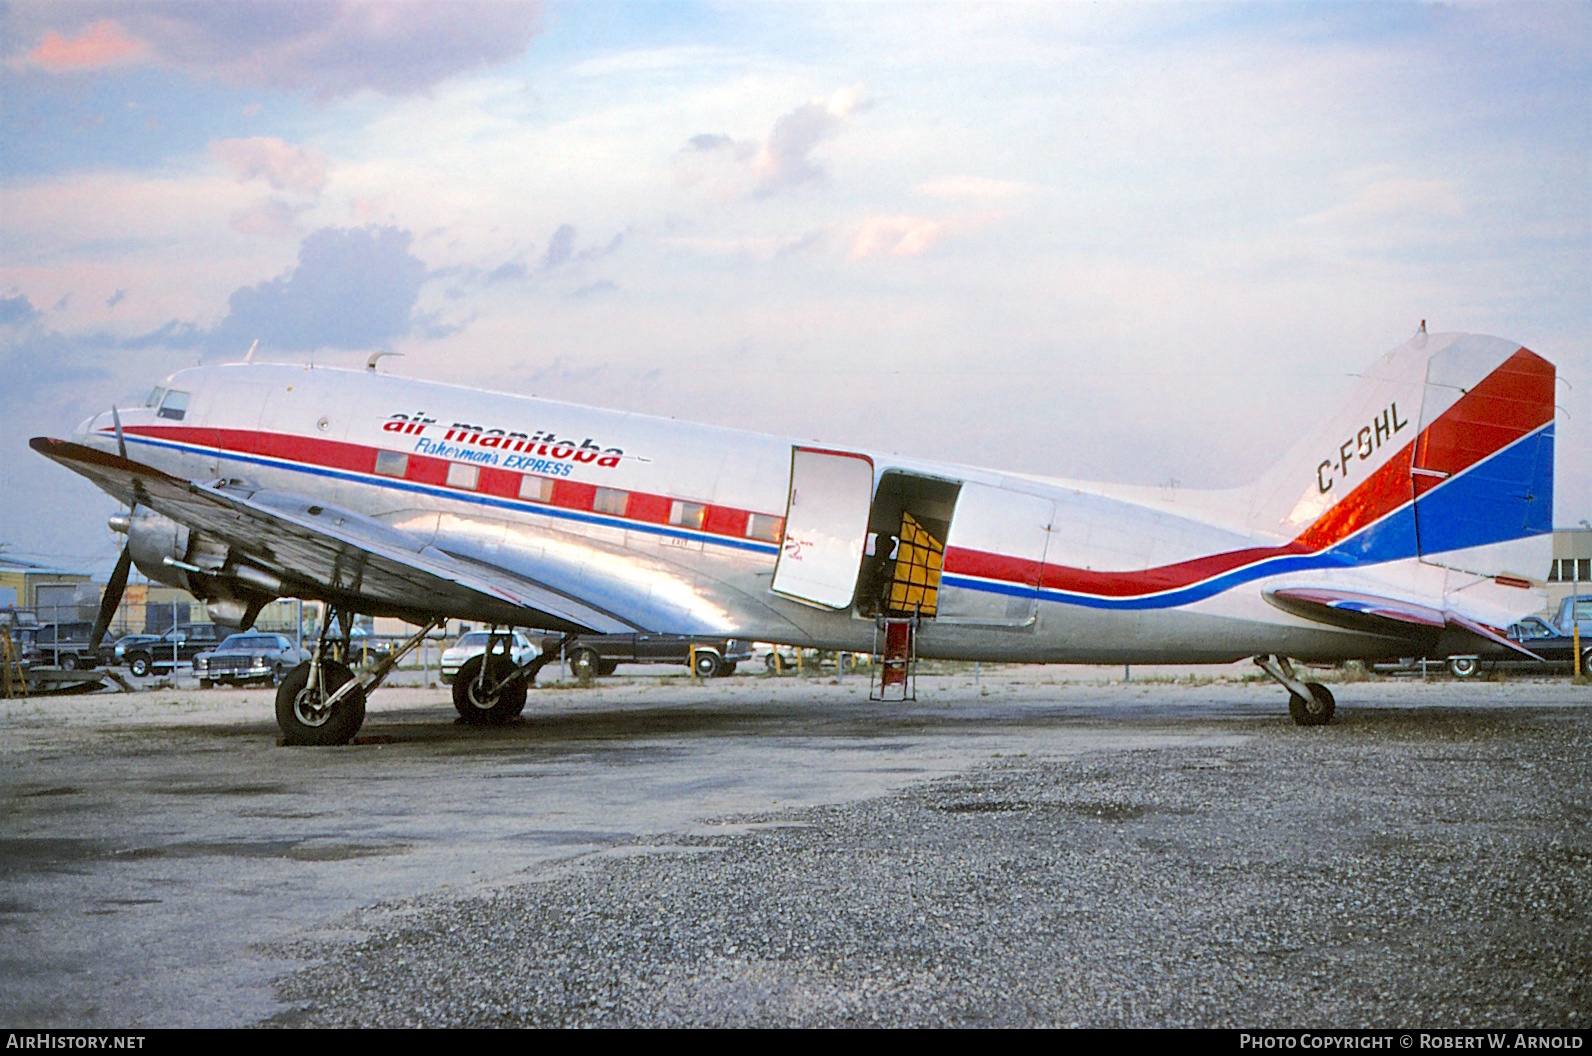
(916, 584)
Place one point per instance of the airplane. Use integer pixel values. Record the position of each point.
(1414, 521)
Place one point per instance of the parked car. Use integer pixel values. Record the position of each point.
(248, 657)
(521, 650)
(182, 643)
(127, 642)
(592, 655)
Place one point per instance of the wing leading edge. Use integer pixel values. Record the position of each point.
(336, 554)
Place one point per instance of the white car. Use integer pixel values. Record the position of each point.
(521, 650)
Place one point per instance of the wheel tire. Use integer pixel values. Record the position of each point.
(1316, 712)
(296, 715)
(847, 663)
(728, 669)
(138, 666)
(585, 664)
(68, 662)
(501, 707)
(771, 661)
(607, 667)
(205, 683)
(706, 665)
(1586, 664)
(1464, 667)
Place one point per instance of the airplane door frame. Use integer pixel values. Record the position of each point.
(826, 527)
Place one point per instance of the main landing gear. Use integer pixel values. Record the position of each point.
(322, 701)
(490, 689)
(1309, 703)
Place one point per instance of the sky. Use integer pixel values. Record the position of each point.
(1110, 241)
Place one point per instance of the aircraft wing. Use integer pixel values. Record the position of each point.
(1390, 617)
(338, 554)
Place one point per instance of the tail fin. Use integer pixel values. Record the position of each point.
(1443, 451)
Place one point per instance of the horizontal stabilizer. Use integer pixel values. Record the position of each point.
(1389, 617)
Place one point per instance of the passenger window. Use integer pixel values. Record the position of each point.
(536, 489)
(174, 406)
(762, 526)
(463, 475)
(611, 500)
(687, 514)
(392, 463)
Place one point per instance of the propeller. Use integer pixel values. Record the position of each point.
(112, 598)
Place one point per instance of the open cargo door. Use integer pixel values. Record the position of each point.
(826, 527)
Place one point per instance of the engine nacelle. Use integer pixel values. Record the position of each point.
(153, 539)
(170, 553)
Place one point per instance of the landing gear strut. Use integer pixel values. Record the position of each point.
(1309, 703)
(490, 689)
(321, 701)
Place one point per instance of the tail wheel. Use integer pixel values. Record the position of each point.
(491, 705)
(1464, 666)
(303, 715)
(1316, 711)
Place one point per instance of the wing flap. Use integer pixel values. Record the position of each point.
(337, 552)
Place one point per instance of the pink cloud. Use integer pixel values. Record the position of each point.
(896, 236)
(269, 218)
(101, 44)
(284, 166)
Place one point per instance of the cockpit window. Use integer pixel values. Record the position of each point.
(174, 406)
(154, 397)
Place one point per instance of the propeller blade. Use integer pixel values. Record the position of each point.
(113, 597)
(121, 442)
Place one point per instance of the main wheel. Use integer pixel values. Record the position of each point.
(489, 705)
(586, 664)
(139, 666)
(1464, 666)
(771, 661)
(706, 664)
(1314, 712)
(305, 719)
(607, 667)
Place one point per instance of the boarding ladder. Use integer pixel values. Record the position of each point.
(895, 642)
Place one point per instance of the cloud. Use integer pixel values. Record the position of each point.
(896, 236)
(116, 298)
(269, 217)
(351, 288)
(284, 166)
(98, 45)
(784, 162)
(17, 310)
(560, 247)
(975, 187)
(329, 48)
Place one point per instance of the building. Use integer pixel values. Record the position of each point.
(20, 582)
(1571, 569)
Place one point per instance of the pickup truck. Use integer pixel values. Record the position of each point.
(592, 655)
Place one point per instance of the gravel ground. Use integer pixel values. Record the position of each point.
(1403, 867)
